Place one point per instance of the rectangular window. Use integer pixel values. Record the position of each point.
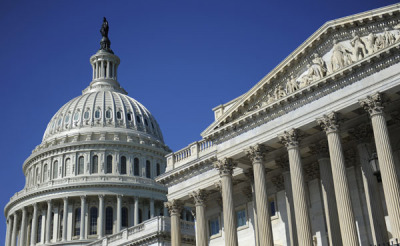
(241, 217)
(272, 206)
(214, 226)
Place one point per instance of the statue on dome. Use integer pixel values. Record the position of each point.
(105, 43)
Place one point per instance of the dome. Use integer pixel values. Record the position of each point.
(99, 111)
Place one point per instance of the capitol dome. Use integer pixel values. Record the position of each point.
(93, 173)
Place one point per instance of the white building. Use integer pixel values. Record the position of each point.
(93, 174)
(309, 156)
(291, 161)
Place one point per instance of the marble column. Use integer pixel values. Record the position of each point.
(303, 225)
(83, 220)
(256, 155)
(23, 227)
(330, 124)
(199, 198)
(175, 208)
(151, 208)
(100, 229)
(34, 224)
(119, 208)
(9, 230)
(48, 221)
(390, 181)
(321, 150)
(65, 219)
(283, 162)
(136, 218)
(252, 197)
(14, 230)
(225, 168)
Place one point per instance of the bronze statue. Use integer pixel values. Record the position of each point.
(105, 43)
(104, 28)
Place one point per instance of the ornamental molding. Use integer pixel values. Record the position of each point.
(340, 53)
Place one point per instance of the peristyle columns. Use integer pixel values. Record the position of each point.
(83, 212)
(65, 219)
(101, 216)
(391, 186)
(23, 227)
(119, 208)
(201, 228)
(175, 208)
(14, 230)
(265, 236)
(48, 221)
(348, 228)
(225, 168)
(290, 140)
(34, 224)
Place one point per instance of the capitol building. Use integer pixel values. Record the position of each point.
(310, 155)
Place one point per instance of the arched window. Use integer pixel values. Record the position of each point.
(108, 114)
(93, 221)
(68, 167)
(109, 164)
(95, 164)
(124, 215)
(86, 115)
(129, 116)
(136, 167)
(81, 165)
(109, 220)
(61, 224)
(158, 169)
(77, 222)
(138, 118)
(45, 175)
(97, 114)
(123, 165)
(119, 115)
(39, 229)
(55, 169)
(148, 169)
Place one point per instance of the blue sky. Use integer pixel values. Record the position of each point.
(178, 58)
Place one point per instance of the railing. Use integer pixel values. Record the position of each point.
(85, 180)
(189, 153)
(147, 228)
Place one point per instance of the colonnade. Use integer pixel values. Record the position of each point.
(87, 217)
(341, 225)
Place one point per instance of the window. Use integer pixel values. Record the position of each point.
(148, 169)
(272, 206)
(45, 171)
(158, 169)
(97, 114)
(129, 116)
(109, 220)
(76, 116)
(67, 118)
(108, 114)
(59, 121)
(68, 167)
(81, 165)
(77, 222)
(93, 221)
(61, 223)
(123, 165)
(95, 164)
(138, 118)
(136, 167)
(119, 115)
(241, 217)
(86, 115)
(214, 226)
(124, 215)
(39, 229)
(145, 122)
(55, 169)
(109, 164)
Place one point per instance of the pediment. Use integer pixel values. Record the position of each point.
(333, 51)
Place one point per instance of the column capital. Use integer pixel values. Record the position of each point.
(65, 199)
(225, 166)
(290, 138)
(83, 198)
(199, 197)
(119, 196)
(278, 182)
(255, 153)
(101, 196)
(329, 122)
(48, 202)
(174, 207)
(373, 104)
(320, 149)
(362, 133)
